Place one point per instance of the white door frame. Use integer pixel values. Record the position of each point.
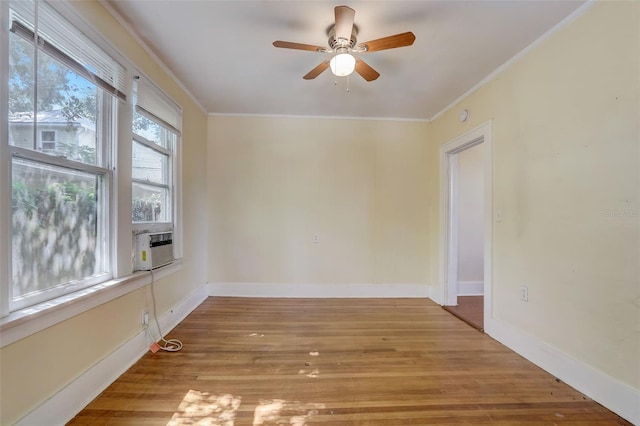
(448, 226)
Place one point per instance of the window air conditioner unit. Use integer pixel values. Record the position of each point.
(153, 250)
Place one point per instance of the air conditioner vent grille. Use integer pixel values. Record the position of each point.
(153, 250)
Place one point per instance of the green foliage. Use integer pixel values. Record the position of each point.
(140, 123)
(52, 78)
(54, 233)
(86, 154)
(148, 129)
(75, 107)
(146, 209)
(56, 87)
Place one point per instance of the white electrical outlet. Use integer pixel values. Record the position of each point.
(316, 239)
(524, 293)
(145, 318)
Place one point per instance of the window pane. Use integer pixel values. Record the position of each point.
(66, 105)
(48, 138)
(152, 131)
(56, 226)
(67, 109)
(150, 165)
(150, 203)
(21, 84)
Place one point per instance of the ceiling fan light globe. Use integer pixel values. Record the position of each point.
(342, 64)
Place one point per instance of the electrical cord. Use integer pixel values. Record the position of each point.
(171, 345)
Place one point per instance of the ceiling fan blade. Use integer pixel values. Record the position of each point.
(298, 46)
(365, 70)
(344, 23)
(317, 70)
(390, 42)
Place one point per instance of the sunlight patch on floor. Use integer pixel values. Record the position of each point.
(281, 412)
(310, 373)
(205, 409)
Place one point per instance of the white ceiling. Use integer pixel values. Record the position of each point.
(222, 52)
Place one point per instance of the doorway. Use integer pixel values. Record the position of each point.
(466, 226)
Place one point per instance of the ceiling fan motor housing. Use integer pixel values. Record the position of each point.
(337, 44)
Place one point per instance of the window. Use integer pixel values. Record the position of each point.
(63, 95)
(48, 140)
(156, 123)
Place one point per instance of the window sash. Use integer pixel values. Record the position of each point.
(167, 202)
(151, 158)
(148, 183)
(150, 144)
(40, 157)
(152, 104)
(164, 187)
(51, 34)
(23, 31)
(103, 272)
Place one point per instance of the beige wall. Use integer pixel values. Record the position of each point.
(35, 368)
(566, 162)
(566, 177)
(360, 185)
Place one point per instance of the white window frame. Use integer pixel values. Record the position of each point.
(104, 172)
(5, 171)
(165, 106)
(102, 250)
(157, 226)
(18, 324)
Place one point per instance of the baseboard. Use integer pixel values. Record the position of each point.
(618, 397)
(470, 288)
(436, 294)
(331, 291)
(71, 399)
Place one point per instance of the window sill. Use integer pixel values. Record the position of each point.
(25, 322)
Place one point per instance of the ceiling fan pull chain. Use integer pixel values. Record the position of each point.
(347, 84)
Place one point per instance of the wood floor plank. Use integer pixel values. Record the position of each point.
(340, 362)
(470, 309)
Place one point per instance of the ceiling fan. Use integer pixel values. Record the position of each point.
(342, 42)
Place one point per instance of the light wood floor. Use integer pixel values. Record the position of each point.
(337, 362)
(470, 309)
